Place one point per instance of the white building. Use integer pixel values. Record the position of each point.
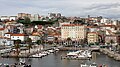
(8, 18)
(6, 41)
(12, 18)
(21, 37)
(4, 18)
(2, 31)
(75, 32)
(34, 38)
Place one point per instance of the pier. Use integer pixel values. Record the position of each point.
(25, 53)
(76, 58)
(111, 54)
(76, 48)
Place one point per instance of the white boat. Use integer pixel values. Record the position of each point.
(37, 56)
(93, 65)
(81, 56)
(84, 65)
(89, 65)
(42, 54)
(51, 51)
(56, 49)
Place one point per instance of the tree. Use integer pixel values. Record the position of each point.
(17, 46)
(25, 20)
(29, 42)
(96, 43)
(56, 40)
(38, 42)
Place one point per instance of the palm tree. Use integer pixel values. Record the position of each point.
(17, 46)
(38, 42)
(56, 40)
(29, 42)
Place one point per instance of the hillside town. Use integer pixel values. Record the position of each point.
(25, 31)
(56, 28)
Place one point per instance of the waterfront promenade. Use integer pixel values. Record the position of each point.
(25, 53)
(111, 54)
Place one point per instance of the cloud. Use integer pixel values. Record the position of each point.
(107, 8)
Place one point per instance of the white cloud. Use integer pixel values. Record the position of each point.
(107, 8)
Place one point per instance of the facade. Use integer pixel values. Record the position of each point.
(12, 18)
(21, 37)
(92, 37)
(6, 41)
(2, 31)
(75, 32)
(4, 18)
(35, 36)
(24, 15)
(112, 39)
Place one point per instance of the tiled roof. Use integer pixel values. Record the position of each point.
(8, 33)
(18, 35)
(4, 37)
(92, 32)
(2, 28)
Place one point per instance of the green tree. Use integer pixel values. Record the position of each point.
(29, 42)
(38, 42)
(56, 40)
(96, 43)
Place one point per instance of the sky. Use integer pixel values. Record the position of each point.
(80, 8)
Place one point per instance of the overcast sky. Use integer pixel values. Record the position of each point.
(106, 8)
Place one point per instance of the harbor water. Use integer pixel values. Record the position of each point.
(54, 60)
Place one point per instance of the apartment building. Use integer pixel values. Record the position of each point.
(75, 32)
(92, 37)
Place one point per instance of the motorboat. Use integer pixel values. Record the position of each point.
(37, 56)
(93, 65)
(84, 65)
(51, 51)
(89, 65)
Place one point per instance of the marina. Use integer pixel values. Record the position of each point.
(54, 60)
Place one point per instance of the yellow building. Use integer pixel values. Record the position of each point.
(75, 32)
(92, 37)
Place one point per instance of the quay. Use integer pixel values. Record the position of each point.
(33, 51)
(111, 54)
(75, 58)
(78, 48)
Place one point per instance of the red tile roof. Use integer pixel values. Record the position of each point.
(2, 28)
(8, 33)
(93, 32)
(18, 35)
(4, 37)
